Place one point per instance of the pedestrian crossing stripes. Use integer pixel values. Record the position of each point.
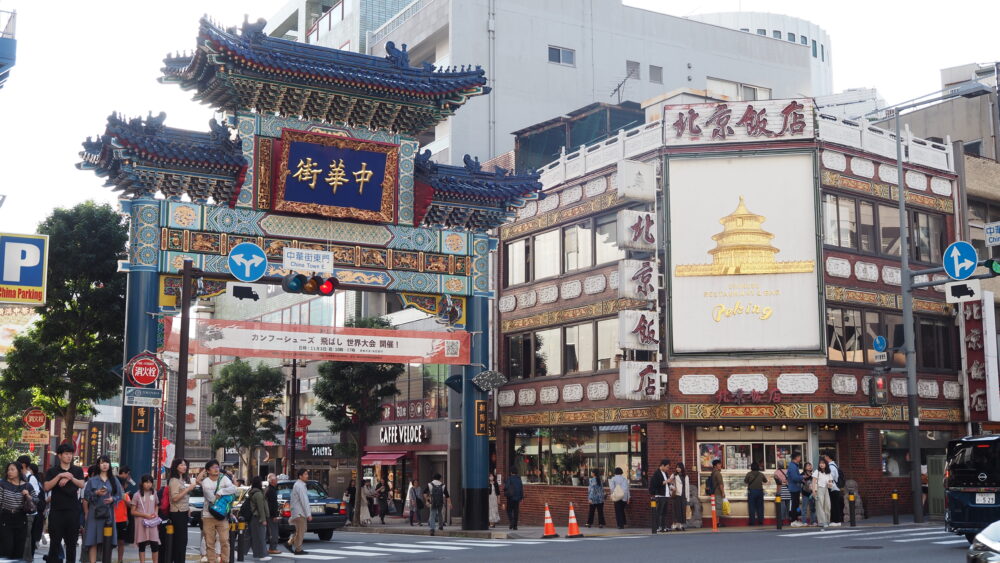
(343, 550)
(904, 535)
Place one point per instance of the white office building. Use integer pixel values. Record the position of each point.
(545, 58)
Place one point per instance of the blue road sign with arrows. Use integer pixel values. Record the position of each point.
(247, 262)
(960, 259)
(879, 343)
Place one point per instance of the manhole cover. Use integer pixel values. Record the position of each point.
(862, 547)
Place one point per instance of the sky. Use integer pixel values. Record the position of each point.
(80, 60)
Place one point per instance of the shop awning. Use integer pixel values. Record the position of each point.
(381, 458)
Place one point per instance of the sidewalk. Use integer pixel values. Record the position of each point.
(396, 525)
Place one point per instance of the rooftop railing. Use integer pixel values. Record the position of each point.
(8, 21)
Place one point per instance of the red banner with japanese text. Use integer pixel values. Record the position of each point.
(248, 339)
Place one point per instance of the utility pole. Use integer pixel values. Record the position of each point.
(188, 274)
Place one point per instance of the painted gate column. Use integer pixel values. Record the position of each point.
(475, 445)
(141, 324)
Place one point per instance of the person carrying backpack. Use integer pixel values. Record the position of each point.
(836, 487)
(437, 498)
(595, 496)
(214, 529)
(256, 517)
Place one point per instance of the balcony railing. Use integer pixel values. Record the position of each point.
(388, 27)
(8, 21)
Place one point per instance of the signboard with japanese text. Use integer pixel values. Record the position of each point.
(738, 122)
(637, 230)
(305, 261)
(482, 419)
(14, 319)
(24, 263)
(979, 341)
(743, 255)
(640, 380)
(639, 330)
(143, 397)
(336, 177)
(636, 181)
(37, 437)
(638, 279)
(273, 340)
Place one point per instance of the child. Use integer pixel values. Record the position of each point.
(144, 509)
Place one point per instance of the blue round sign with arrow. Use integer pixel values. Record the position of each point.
(960, 259)
(879, 343)
(247, 262)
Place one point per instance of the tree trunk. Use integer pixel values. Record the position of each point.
(69, 416)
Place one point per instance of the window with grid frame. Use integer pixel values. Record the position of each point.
(850, 333)
(562, 55)
(656, 74)
(870, 227)
(632, 70)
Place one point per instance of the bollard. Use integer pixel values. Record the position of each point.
(107, 548)
(232, 541)
(241, 541)
(715, 516)
(777, 510)
(167, 546)
(652, 515)
(850, 506)
(895, 507)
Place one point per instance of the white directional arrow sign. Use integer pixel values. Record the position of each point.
(960, 259)
(248, 262)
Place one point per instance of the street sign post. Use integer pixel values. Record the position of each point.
(960, 259)
(304, 260)
(144, 369)
(35, 419)
(960, 292)
(143, 397)
(247, 262)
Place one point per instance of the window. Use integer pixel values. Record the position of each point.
(803, 40)
(606, 240)
(548, 359)
(974, 148)
(761, 32)
(928, 233)
(577, 247)
(422, 393)
(888, 230)
(850, 333)
(723, 87)
(981, 213)
(559, 351)
(578, 348)
(814, 48)
(776, 34)
(791, 37)
(849, 222)
(544, 247)
(561, 55)
(516, 267)
(565, 455)
(656, 74)
(895, 451)
(632, 69)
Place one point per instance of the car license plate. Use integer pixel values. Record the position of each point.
(320, 509)
(986, 498)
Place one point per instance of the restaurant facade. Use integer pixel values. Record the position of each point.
(709, 285)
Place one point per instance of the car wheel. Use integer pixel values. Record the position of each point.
(325, 535)
(971, 537)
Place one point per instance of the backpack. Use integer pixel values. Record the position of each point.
(709, 486)
(841, 479)
(246, 509)
(437, 496)
(165, 502)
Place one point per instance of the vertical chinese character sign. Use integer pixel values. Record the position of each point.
(979, 341)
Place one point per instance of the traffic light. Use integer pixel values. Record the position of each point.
(878, 389)
(315, 285)
(993, 266)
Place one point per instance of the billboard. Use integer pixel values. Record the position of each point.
(743, 261)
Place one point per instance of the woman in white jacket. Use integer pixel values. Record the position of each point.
(822, 481)
(682, 495)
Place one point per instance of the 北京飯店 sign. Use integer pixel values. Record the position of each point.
(273, 340)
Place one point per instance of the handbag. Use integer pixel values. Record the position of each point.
(617, 494)
(101, 512)
(151, 522)
(727, 508)
(222, 505)
(29, 505)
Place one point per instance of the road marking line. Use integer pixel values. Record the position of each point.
(951, 541)
(942, 534)
(861, 534)
(446, 547)
(351, 553)
(823, 533)
(467, 543)
(389, 549)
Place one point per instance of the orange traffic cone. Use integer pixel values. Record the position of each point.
(574, 529)
(550, 528)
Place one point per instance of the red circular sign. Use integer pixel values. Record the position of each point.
(145, 371)
(35, 419)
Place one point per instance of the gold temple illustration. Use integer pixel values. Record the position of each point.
(743, 247)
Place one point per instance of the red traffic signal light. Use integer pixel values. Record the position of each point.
(878, 390)
(315, 285)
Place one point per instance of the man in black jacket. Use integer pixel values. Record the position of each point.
(659, 488)
(271, 496)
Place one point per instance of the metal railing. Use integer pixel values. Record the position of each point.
(8, 21)
(388, 27)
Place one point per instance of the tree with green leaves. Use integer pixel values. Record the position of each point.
(67, 358)
(349, 395)
(246, 400)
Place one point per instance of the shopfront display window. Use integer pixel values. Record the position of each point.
(565, 455)
(736, 457)
(896, 449)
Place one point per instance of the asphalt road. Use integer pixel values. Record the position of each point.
(912, 544)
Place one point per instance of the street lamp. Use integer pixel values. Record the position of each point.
(965, 90)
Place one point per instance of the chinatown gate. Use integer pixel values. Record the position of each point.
(316, 151)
